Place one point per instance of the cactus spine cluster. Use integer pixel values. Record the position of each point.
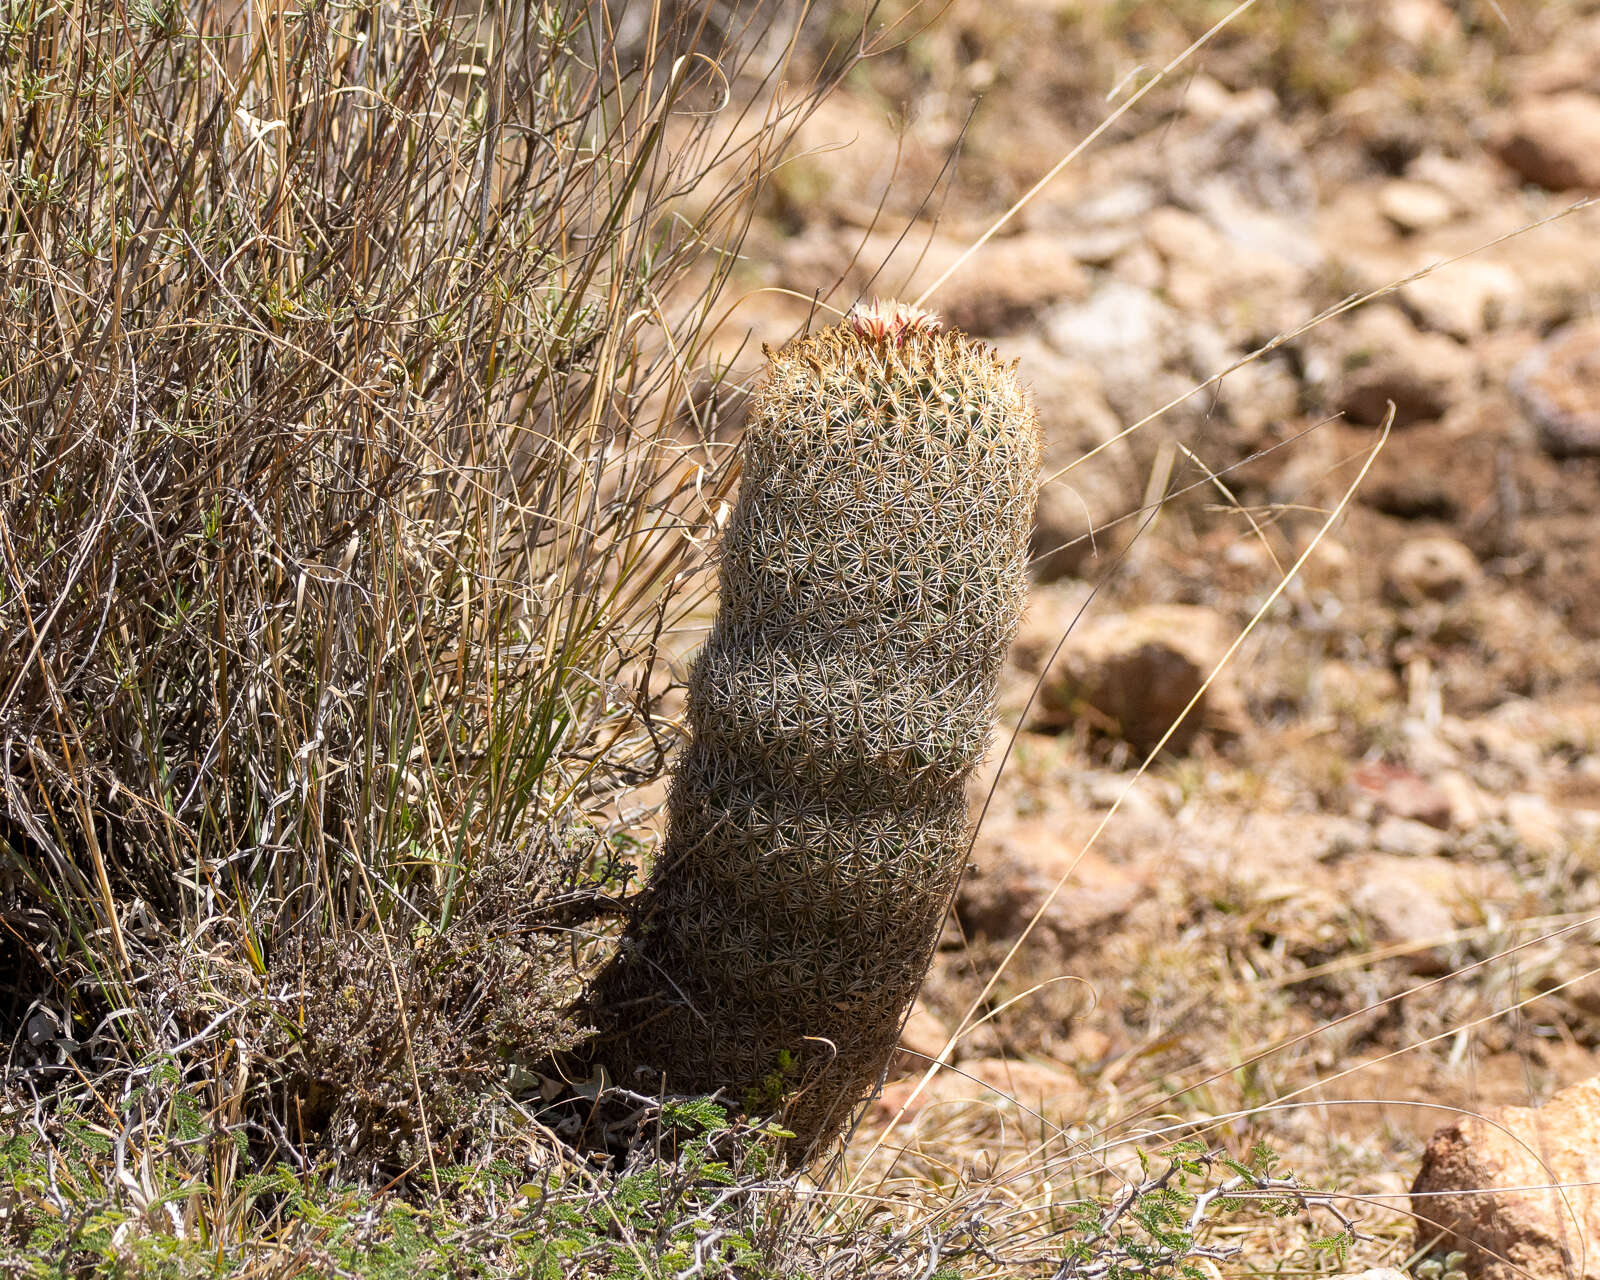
(872, 577)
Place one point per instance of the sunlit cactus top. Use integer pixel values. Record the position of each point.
(886, 321)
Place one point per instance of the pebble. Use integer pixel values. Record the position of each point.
(1536, 824)
(1406, 837)
(1431, 568)
(1415, 206)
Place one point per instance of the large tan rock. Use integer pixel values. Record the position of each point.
(1516, 1233)
(1015, 868)
(1383, 358)
(1554, 141)
(1129, 676)
(1000, 287)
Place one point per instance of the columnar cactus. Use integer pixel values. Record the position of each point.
(872, 577)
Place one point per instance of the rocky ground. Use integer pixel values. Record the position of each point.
(1357, 889)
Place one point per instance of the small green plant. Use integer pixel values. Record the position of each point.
(1450, 1266)
(1160, 1225)
(65, 1213)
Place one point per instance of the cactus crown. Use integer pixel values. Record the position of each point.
(890, 321)
(872, 577)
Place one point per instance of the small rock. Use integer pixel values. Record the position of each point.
(1123, 330)
(1536, 824)
(1036, 1087)
(1015, 870)
(1073, 414)
(42, 1026)
(1425, 747)
(1572, 62)
(1116, 206)
(1558, 385)
(1241, 287)
(1357, 692)
(1089, 1047)
(1383, 358)
(1472, 180)
(1403, 793)
(1099, 246)
(1554, 141)
(1337, 837)
(1008, 281)
(1072, 522)
(1183, 238)
(1245, 159)
(1415, 206)
(1140, 266)
(1131, 676)
(1407, 900)
(1052, 612)
(1332, 568)
(1466, 299)
(1518, 1234)
(1420, 23)
(1469, 805)
(1143, 803)
(1433, 568)
(1406, 837)
(1579, 983)
(1148, 355)
(1401, 904)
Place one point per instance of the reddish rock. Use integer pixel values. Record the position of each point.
(1518, 1234)
(1554, 141)
(1403, 793)
(1016, 868)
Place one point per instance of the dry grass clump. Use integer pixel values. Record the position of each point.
(489, 989)
(337, 518)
